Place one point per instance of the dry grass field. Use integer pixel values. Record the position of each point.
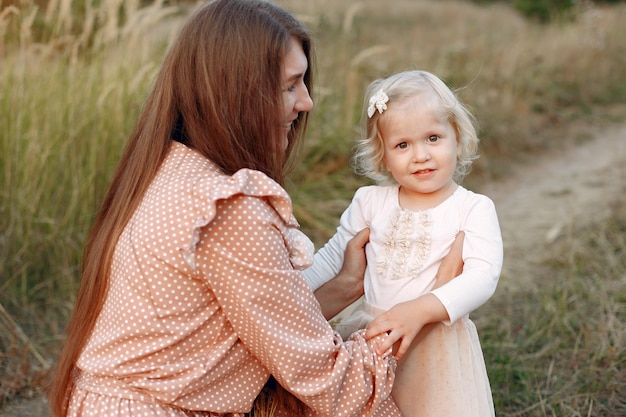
(73, 77)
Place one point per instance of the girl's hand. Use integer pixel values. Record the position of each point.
(407, 323)
(401, 323)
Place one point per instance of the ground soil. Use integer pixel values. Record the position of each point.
(537, 203)
(556, 194)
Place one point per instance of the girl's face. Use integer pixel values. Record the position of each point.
(295, 93)
(420, 151)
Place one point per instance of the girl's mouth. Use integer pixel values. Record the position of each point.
(423, 172)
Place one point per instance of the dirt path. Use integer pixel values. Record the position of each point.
(536, 204)
(549, 197)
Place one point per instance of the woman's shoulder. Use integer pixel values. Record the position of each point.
(208, 184)
(200, 192)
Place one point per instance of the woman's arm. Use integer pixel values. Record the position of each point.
(275, 318)
(347, 286)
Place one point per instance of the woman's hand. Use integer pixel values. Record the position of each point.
(452, 265)
(347, 286)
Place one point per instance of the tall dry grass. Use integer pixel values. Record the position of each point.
(72, 83)
(73, 76)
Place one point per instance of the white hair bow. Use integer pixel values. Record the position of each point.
(377, 102)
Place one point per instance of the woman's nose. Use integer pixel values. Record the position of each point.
(304, 102)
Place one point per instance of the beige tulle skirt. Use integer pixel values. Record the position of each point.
(444, 375)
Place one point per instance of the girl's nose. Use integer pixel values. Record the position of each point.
(421, 153)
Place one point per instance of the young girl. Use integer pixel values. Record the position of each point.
(420, 142)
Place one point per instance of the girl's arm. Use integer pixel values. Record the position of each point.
(329, 260)
(482, 258)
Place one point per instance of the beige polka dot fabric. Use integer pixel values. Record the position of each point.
(206, 300)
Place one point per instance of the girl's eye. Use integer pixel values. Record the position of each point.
(432, 138)
(402, 145)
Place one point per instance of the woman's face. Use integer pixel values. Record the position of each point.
(295, 93)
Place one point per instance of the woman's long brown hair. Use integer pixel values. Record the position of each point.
(218, 91)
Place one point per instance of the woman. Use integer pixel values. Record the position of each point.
(191, 291)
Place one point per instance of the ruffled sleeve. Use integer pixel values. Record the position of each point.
(215, 188)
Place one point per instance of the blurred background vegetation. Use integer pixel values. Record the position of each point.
(73, 77)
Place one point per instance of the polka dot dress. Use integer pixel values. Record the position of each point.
(206, 300)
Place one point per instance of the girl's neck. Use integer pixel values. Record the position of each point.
(410, 200)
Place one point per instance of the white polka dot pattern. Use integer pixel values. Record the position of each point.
(206, 300)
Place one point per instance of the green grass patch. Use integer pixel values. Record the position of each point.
(558, 349)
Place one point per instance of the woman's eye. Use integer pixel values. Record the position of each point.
(432, 138)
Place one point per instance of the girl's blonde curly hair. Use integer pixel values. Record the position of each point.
(369, 152)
